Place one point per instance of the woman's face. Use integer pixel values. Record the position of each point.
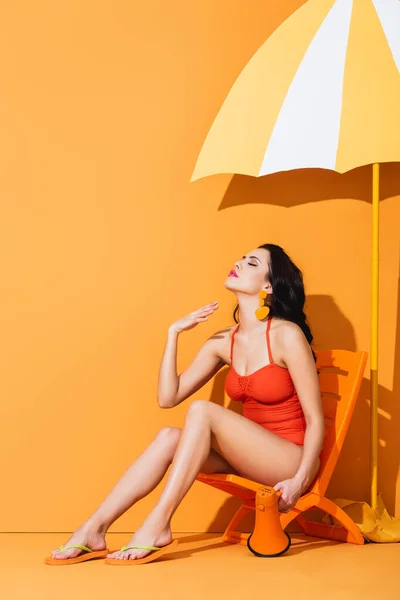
(249, 274)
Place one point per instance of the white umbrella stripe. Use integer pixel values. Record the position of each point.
(306, 132)
(388, 12)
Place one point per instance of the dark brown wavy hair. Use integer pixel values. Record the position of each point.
(288, 297)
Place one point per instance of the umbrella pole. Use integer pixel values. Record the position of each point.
(374, 335)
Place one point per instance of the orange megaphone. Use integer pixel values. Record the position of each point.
(268, 538)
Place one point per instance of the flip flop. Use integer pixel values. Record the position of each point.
(156, 552)
(81, 558)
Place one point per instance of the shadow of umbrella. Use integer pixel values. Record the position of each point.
(294, 188)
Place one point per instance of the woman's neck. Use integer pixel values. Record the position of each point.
(249, 323)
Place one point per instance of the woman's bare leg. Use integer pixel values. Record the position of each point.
(139, 480)
(252, 451)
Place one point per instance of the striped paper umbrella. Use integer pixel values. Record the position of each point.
(322, 92)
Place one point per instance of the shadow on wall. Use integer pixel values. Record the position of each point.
(332, 330)
(389, 422)
(301, 186)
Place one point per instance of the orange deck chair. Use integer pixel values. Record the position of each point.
(340, 376)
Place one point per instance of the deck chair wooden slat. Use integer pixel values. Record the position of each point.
(340, 376)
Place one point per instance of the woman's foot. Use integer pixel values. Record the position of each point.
(144, 537)
(88, 536)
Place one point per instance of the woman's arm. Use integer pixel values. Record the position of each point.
(300, 362)
(174, 388)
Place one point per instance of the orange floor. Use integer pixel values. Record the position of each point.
(203, 567)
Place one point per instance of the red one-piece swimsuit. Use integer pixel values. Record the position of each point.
(269, 397)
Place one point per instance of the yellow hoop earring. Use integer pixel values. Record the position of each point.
(263, 311)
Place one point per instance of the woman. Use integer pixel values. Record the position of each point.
(276, 442)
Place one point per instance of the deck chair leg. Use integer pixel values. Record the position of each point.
(290, 516)
(303, 523)
(348, 532)
(236, 537)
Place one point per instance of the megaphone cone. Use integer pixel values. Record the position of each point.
(268, 539)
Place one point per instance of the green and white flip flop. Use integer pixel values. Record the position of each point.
(89, 555)
(155, 552)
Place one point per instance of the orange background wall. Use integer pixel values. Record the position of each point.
(104, 242)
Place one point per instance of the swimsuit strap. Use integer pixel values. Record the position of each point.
(233, 335)
(271, 360)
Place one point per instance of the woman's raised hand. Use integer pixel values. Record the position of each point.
(194, 318)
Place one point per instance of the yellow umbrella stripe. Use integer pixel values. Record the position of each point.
(371, 94)
(252, 106)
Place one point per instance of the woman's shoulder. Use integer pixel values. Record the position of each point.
(222, 335)
(220, 342)
(288, 332)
